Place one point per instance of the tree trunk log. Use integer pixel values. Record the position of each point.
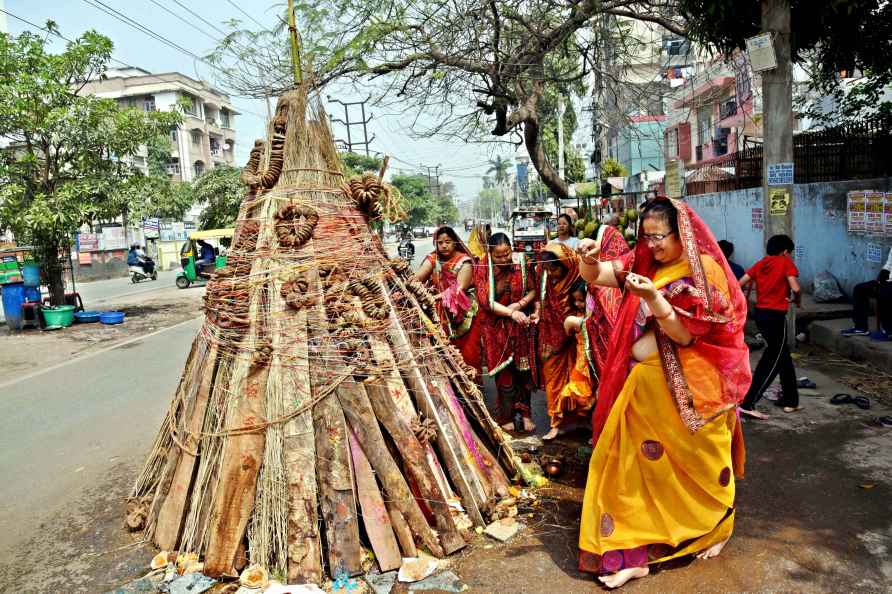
(532, 140)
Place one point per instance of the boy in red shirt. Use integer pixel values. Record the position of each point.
(775, 278)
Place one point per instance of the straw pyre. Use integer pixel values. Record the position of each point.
(321, 409)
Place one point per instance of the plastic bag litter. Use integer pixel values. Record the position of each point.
(826, 288)
(191, 583)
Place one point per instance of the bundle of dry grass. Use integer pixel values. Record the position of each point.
(321, 410)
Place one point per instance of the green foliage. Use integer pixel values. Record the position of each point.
(221, 191)
(488, 203)
(499, 168)
(67, 163)
(613, 168)
(830, 35)
(356, 164)
(423, 207)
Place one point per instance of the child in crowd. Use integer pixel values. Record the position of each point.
(728, 249)
(775, 279)
(577, 398)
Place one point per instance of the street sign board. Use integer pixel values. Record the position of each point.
(761, 52)
(151, 227)
(780, 174)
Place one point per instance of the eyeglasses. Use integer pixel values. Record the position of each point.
(656, 237)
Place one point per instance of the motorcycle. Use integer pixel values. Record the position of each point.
(138, 274)
(406, 249)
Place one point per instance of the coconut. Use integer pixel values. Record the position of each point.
(581, 234)
(632, 214)
(623, 220)
(590, 228)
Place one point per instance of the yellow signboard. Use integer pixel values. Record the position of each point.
(779, 199)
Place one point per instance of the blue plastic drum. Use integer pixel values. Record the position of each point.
(13, 298)
(31, 274)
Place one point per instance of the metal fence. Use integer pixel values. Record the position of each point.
(854, 151)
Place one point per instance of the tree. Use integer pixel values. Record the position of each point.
(477, 67)
(489, 202)
(67, 160)
(419, 201)
(356, 164)
(221, 190)
(830, 36)
(613, 168)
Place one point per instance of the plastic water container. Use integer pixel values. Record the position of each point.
(31, 274)
(13, 295)
(32, 294)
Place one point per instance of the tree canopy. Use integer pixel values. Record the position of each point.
(67, 162)
(357, 164)
(425, 208)
(221, 191)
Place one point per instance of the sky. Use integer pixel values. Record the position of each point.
(462, 163)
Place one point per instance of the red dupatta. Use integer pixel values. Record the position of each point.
(715, 321)
(604, 304)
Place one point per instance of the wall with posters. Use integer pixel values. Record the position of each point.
(820, 226)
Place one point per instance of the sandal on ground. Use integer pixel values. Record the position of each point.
(861, 402)
(806, 383)
(885, 421)
(790, 409)
(838, 399)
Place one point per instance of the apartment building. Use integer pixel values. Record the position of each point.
(206, 137)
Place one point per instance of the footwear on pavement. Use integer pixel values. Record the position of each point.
(879, 336)
(855, 332)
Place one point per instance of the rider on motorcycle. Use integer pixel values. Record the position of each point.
(137, 257)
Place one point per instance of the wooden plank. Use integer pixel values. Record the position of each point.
(304, 547)
(402, 531)
(236, 489)
(172, 514)
(335, 477)
(361, 417)
(415, 461)
(374, 513)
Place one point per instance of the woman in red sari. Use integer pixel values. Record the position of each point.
(506, 293)
(450, 270)
(559, 272)
(667, 440)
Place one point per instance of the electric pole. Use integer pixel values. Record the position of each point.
(561, 110)
(366, 141)
(777, 101)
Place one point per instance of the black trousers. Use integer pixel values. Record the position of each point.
(776, 360)
(862, 294)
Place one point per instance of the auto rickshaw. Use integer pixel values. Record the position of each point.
(190, 273)
(530, 228)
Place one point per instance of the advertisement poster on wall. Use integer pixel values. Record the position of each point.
(87, 242)
(856, 211)
(874, 211)
(887, 215)
(113, 238)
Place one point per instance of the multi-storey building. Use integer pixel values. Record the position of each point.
(207, 135)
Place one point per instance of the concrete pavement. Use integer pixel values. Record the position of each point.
(62, 431)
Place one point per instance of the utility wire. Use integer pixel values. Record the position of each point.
(113, 59)
(239, 8)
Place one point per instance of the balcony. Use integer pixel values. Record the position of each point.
(698, 152)
(728, 108)
(216, 152)
(173, 168)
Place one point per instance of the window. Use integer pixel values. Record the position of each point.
(704, 125)
(215, 146)
(148, 103)
(672, 143)
(196, 137)
(174, 137)
(191, 105)
(224, 118)
(199, 168)
(173, 168)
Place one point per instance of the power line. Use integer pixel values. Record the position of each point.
(239, 8)
(180, 18)
(113, 59)
(201, 18)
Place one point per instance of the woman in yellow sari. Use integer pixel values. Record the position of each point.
(668, 442)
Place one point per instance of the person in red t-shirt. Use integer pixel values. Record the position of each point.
(775, 278)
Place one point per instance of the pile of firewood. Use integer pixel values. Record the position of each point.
(321, 410)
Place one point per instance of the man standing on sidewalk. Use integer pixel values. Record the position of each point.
(881, 290)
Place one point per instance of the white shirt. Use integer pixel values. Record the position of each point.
(570, 242)
(888, 264)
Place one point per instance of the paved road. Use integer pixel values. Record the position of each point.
(63, 430)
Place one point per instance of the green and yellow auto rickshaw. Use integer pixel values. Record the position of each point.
(201, 255)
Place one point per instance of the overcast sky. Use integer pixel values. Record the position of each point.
(463, 163)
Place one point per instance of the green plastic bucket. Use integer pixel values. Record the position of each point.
(62, 315)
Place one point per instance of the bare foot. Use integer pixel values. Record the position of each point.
(551, 434)
(754, 413)
(618, 579)
(712, 551)
(508, 426)
(528, 425)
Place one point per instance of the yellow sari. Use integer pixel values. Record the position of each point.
(656, 490)
(577, 395)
